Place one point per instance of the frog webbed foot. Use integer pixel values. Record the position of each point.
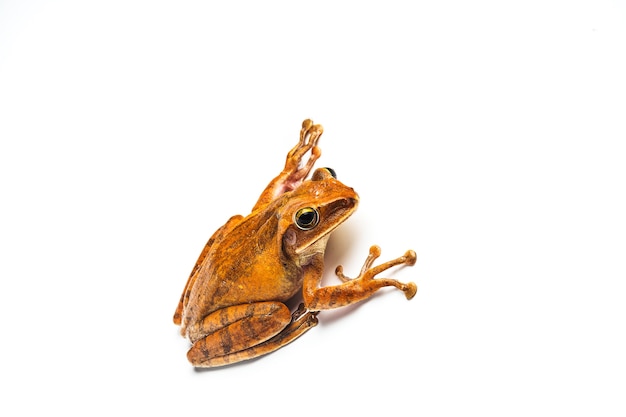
(368, 273)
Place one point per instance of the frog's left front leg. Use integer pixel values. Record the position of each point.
(297, 165)
(360, 288)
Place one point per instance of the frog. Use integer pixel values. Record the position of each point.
(234, 306)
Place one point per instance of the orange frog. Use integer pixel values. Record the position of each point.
(232, 307)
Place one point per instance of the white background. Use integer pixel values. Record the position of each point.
(487, 136)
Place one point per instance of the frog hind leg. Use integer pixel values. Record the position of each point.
(243, 332)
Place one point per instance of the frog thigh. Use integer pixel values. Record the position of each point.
(236, 328)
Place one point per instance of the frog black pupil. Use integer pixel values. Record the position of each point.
(307, 218)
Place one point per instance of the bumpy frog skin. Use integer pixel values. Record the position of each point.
(232, 308)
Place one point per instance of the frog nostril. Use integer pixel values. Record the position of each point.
(347, 202)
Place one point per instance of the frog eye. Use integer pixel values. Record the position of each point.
(321, 174)
(307, 218)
